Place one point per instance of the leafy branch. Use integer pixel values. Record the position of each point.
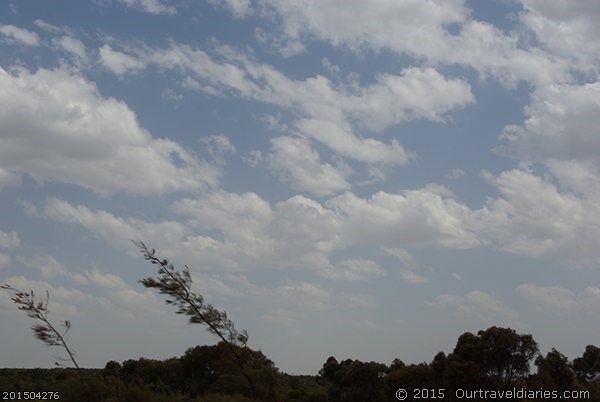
(43, 330)
(177, 285)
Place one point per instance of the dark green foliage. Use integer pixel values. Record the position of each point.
(211, 374)
(354, 381)
(555, 371)
(215, 369)
(177, 286)
(587, 366)
(500, 353)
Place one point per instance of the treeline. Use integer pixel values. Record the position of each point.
(496, 359)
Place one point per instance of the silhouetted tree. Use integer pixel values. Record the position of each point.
(587, 366)
(554, 371)
(354, 381)
(44, 330)
(501, 353)
(177, 286)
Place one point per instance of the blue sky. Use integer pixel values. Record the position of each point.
(361, 179)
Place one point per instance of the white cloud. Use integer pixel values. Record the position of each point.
(54, 125)
(5, 260)
(383, 24)
(561, 132)
(119, 62)
(312, 296)
(412, 277)
(48, 266)
(438, 31)
(151, 6)
(218, 146)
(456, 173)
(116, 231)
(300, 165)
(63, 301)
(533, 218)
(253, 158)
(409, 262)
(352, 270)
(476, 304)
(403, 255)
(558, 299)
(73, 46)
(397, 220)
(334, 115)
(569, 29)
(47, 26)
(171, 95)
(239, 8)
(414, 93)
(297, 232)
(9, 240)
(8, 178)
(21, 36)
(108, 281)
(340, 138)
(331, 68)
(242, 231)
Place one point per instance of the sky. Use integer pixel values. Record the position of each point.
(367, 180)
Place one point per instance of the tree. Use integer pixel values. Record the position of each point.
(355, 381)
(501, 353)
(587, 366)
(177, 285)
(44, 330)
(554, 371)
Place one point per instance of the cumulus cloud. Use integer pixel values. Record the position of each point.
(218, 146)
(95, 277)
(560, 131)
(9, 239)
(353, 270)
(119, 62)
(566, 28)
(64, 300)
(8, 178)
(239, 8)
(299, 165)
(48, 266)
(116, 230)
(558, 299)
(253, 158)
(55, 126)
(73, 46)
(456, 173)
(438, 31)
(46, 26)
(408, 275)
(20, 36)
(533, 217)
(334, 115)
(411, 218)
(5, 260)
(412, 277)
(382, 23)
(476, 304)
(241, 231)
(151, 6)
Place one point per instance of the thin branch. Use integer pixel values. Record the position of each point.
(177, 285)
(44, 330)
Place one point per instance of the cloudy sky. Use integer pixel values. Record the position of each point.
(360, 179)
